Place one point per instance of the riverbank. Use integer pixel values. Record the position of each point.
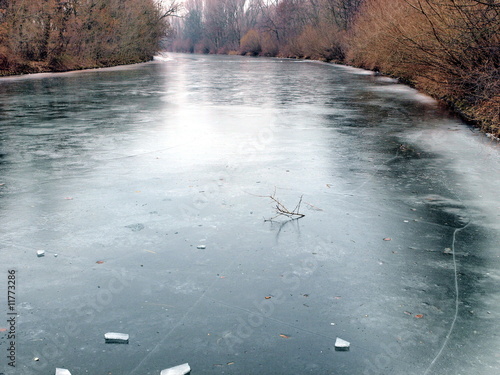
(50, 37)
(39, 67)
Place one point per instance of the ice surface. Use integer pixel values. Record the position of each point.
(177, 370)
(369, 158)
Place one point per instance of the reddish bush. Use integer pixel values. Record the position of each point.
(250, 43)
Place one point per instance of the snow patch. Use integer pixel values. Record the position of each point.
(162, 57)
(353, 70)
(405, 92)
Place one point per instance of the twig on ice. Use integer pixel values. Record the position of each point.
(281, 210)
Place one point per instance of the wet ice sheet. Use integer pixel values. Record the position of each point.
(125, 173)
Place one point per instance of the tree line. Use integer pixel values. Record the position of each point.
(447, 48)
(56, 35)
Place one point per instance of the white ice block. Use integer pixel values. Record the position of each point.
(117, 338)
(177, 370)
(40, 253)
(62, 371)
(342, 345)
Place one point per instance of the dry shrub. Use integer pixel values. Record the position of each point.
(451, 49)
(250, 43)
(488, 114)
(5, 60)
(322, 42)
(376, 40)
(202, 47)
(291, 49)
(224, 50)
(269, 44)
(55, 35)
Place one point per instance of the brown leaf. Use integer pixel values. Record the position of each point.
(267, 297)
(100, 262)
(418, 316)
(3, 329)
(284, 336)
(387, 239)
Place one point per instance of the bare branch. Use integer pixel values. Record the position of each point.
(281, 209)
(171, 10)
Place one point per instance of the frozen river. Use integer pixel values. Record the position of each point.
(148, 188)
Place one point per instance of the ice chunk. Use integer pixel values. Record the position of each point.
(40, 253)
(116, 338)
(62, 371)
(341, 345)
(177, 370)
(201, 247)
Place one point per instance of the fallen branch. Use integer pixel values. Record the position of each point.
(281, 210)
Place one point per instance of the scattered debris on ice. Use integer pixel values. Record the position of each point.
(135, 227)
(492, 136)
(62, 371)
(116, 338)
(342, 345)
(40, 253)
(177, 370)
(447, 250)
